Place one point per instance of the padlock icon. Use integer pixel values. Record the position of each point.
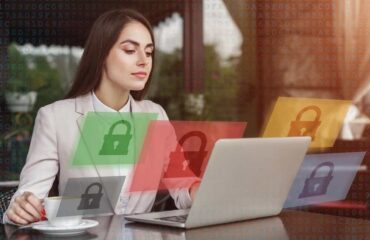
(180, 161)
(116, 144)
(316, 186)
(305, 128)
(91, 200)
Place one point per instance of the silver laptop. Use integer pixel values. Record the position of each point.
(263, 228)
(245, 179)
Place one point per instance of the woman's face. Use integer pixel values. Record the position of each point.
(129, 61)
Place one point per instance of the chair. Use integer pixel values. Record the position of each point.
(5, 198)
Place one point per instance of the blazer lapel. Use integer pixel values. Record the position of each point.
(83, 105)
(134, 105)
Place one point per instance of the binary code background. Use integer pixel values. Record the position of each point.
(216, 60)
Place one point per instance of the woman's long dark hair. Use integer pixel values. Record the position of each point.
(104, 33)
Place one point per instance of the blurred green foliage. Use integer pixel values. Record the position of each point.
(33, 73)
(220, 91)
(47, 80)
(18, 71)
(221, 86)
(167, 82)
(27, 72)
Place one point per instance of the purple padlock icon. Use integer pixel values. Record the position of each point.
(316, 186)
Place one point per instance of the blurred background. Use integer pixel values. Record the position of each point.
(215, 60)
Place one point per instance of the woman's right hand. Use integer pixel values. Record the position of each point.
(25, 209)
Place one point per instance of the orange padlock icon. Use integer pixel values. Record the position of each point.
(305, 128)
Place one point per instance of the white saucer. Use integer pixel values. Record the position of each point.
(46, 228)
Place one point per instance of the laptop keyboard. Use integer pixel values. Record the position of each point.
(180, 219)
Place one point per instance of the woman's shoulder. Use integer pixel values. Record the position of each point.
(60, 107)
(61, 104)
(149, 106)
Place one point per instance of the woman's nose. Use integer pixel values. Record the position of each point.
(142, 59)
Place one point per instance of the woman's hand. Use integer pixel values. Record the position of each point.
(25, 209)
(194, 190)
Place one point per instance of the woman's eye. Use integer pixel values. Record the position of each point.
(129, 51)
(149, 54)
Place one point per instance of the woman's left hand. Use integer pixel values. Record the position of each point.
(194, 190)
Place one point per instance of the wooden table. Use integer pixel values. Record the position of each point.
(287, 225)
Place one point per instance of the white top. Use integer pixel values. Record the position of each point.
(101, 107)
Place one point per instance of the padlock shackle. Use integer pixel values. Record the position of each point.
(87, 191)
(199, 134)
(314, 108)
(124, 122)
(324, 164)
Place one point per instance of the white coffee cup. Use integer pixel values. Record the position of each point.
(52, 204)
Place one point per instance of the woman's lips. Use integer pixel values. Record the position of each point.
(141, 75)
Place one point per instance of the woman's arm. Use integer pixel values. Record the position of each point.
(38, 173)
(182, 190)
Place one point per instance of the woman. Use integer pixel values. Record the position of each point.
(113, 75)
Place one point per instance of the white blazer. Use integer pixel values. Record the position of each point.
(57, 126)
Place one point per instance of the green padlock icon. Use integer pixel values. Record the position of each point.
(305, 128)
(116, 144)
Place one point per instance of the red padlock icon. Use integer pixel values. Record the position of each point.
(187, 163)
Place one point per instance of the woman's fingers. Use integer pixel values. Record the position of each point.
(23, 202)
(15, 218)
(22, 213)
(35, 203)
(30, 209)
(25, 209)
